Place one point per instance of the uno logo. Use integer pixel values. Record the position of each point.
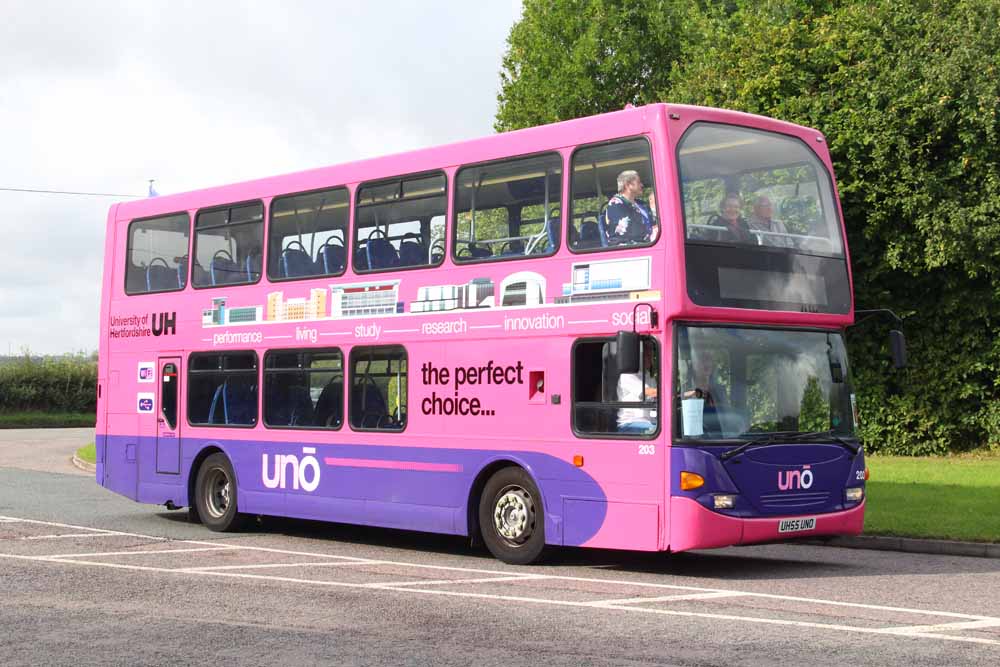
(290, 469)
(795, 479)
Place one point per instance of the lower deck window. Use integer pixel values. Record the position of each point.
(606, 402)
(222, 389)
(304, 389)
(378, 388)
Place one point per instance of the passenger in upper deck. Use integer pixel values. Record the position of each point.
(732, 221)
(763, 220)
(628, 219)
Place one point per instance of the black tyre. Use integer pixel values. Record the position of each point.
(511, 517)
(215, 494)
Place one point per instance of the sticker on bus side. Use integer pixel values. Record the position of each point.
(797, 525)
(144, 403)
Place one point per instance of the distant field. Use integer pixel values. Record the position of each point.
(954, 498)
(47, 419)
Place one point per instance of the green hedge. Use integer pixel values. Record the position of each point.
(59, 384)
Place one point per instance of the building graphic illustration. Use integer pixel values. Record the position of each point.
(477, 293)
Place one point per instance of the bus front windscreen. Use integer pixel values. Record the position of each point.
(762, 229)
(743, 383)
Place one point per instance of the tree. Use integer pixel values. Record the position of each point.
(582, 57)
(908, 97)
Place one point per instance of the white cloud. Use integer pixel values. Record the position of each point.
(100, 96)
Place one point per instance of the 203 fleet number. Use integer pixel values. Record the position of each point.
(647, 450)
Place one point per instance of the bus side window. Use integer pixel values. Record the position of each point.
(378, 397)
(399, 223)
(227, 245)
(307, 235)
(304, 389)
(508, 209)
(606, 401)
(156, 259)
(222, 389)
(595, 172)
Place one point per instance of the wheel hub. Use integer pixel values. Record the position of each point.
(513, 515)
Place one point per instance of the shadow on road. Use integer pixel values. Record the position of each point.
(756, 563)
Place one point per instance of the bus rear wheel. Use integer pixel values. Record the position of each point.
(215, 494)
(511, 517)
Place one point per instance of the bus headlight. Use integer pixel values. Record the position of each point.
(724, 502)
(854, 494)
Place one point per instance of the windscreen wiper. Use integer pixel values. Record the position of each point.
(830, 436)
(771, 439)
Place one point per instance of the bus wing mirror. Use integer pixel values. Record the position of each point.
(897, 343)
(627, 352)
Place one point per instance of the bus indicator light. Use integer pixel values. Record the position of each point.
(691, 481)
(578, 461)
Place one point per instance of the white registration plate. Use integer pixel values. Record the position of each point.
(797, 525)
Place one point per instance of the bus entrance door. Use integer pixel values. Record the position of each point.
(168, 426)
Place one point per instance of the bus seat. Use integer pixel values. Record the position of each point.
(590, 235)
(412, 253)
(224, 271)
(479, 252)
(329, 410)
(289, 405)
(240, 402)
(160, 277)
(512, 248)
(182, 272)
(360, 260)
(552, 231)
(367, 405)
(331, 259)
(217, 413)
(295, 263)
(603, 235)
(381, 254)
(254, 262)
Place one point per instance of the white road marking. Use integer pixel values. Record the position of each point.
(670, 598)
(144, 552)
(970, 621)
(215, 568)
(61, 536)
(438, 582)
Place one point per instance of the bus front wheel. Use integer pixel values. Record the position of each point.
(511, 517)
(215, 494)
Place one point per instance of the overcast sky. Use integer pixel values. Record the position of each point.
(99, 96)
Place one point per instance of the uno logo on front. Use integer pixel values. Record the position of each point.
(290, 469)
(790, 480)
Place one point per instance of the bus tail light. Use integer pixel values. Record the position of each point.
(691, 481)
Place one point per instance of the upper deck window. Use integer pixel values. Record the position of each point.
(743, 186)
(508, 209)
(761, 223)
(227, 245)
(157, 254)
(613, 200)
(307, 235)
(400, 223)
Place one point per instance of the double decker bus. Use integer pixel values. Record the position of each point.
(442, 340)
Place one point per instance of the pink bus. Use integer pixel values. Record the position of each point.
(623, 331)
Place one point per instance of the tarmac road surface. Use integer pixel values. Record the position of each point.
(88, 577)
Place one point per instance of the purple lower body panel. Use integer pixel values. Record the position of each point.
(415, 488)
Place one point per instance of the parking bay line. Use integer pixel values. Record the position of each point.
(899, 631)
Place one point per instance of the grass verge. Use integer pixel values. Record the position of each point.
(47, 419)
(87, 453)
(952, 498)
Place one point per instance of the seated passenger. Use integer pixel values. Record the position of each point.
(763, 220)
(632, 389)
(731, 220)
(628, 219)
